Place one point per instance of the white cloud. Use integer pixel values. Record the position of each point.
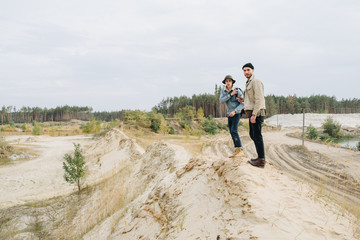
(113, 51)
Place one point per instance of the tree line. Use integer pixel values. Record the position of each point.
(169, 106)
(274, 104)
(11, 114)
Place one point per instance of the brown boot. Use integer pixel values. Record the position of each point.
(258, 162)
(238, 153)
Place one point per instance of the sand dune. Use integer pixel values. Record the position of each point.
(167, 192)
(213, 197)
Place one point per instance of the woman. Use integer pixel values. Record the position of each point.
(233, 98)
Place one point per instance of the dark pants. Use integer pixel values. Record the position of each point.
(233, 123)
(255, 134)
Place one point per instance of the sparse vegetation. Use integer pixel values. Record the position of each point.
(74, 166)
(5, 151)
(37, 129)
(92, 126)
(311, 132)
(25, 127)
(200, 113)
(210, 125)
(332, 128)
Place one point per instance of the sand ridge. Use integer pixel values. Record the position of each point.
(213, 197)
(167, 192)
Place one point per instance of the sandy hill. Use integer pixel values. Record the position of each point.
(167, 192)
(210, 196)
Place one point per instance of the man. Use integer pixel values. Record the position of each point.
(230, 95)
(255, 110)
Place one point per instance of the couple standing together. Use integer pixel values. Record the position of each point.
(252, 103)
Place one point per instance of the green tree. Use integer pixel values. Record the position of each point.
(358, 146)
(37, 129)
(163, 128)
(186, 113)
(311, 132)
(200, 114)
(331, 127)
(74, 167)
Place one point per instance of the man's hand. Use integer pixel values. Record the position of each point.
(232, 114)
(240, 99)
(233, 92)
(253, 119)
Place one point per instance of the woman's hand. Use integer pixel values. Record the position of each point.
(240, 99)
(232, 114)
(233, 92)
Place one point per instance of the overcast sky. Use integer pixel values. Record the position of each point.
(115, 55)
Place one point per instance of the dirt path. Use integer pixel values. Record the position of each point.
(334, 172)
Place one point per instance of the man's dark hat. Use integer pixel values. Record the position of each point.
(248, 65)
(228, 77)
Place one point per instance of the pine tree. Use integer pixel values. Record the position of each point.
(74, 167)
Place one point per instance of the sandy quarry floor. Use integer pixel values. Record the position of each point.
(170, 192)
(38, 178)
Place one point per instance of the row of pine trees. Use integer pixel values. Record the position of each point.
(274, 104)
(209, 103)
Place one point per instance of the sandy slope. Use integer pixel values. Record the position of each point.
(212, 197)
(171, 193)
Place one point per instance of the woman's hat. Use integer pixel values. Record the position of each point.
(228, 77)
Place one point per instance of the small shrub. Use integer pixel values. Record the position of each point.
(37, 129)
(358, 146)
(155, 125)
(91, 127)
(25, 127)
(325, 137)
(185, 123)
(209, 125)
(311, 132)
(332, 128)
(171, 130)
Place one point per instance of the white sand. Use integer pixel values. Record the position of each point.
(296, 120)
(186, 196)
(38, 178)
(212, 197)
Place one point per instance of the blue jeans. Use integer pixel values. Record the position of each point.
(233, 123)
